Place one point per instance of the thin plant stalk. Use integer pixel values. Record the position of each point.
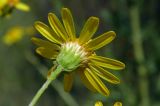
(139, 55)
(57, 85)
(52, 76)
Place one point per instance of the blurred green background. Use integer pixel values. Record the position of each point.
(136, 23)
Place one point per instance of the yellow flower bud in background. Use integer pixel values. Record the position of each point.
(13, 35)
(117, 104)
(2, 3)
(16, 34)
(98, 103)
(7, 6)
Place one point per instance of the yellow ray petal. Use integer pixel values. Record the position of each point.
(101, 41)
(47, 53)
(85, 81)
(104, 74)
(118, 104)
(96, 82)
(68, 23)
(47, 32)
(107, 62)
(22, 6)
(89, 29)
(68, 82)
(44, 43)
(57, 26)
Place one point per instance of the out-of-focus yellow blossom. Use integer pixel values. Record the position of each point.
(16, 34)
(2, 3)
(117, 104)
(99, 103)
(7, 6)
(13, 35)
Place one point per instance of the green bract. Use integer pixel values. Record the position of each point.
(70, 56)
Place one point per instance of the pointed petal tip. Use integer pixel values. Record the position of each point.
(107, 62)
(95, 18)
(37, 23)
(33, 39)
(107, 94)
(96, 82)
(89, 29)
(117, 82)
(65, 9)
(39, 49)
(46, 53)
(104, 74)
(123, 65)
(112, 33)
(101, 40)
(50, 14)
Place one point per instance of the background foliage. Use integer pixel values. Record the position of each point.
(137, 44)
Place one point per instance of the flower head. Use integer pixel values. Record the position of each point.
(16, 34)
(13, 35)
(117, 104)
(7, 6)
(77, 54)
(98, 103)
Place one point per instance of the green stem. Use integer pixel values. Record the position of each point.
(52, 76)
(139, 55)
(57, 85)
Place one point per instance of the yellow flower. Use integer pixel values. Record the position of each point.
(76, 55)
(16, 33)
(118, 104)
(13, 35)
(2, 3)
(99, 103)
(7, 6)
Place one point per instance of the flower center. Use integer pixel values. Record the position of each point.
(71, 55)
